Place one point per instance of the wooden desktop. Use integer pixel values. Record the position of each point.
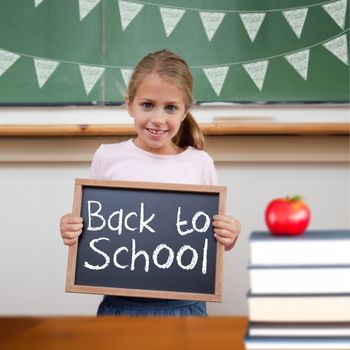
(104, 333)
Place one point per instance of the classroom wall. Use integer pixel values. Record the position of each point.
(35, 193)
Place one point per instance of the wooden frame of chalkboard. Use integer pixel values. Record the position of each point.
(143, 239)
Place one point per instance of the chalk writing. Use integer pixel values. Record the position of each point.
(118, 221)
(117, 216)
(135, 254)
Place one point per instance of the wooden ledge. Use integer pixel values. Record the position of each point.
(277, 129)
(217, 129)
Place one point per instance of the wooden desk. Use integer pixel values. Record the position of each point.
(105, 333)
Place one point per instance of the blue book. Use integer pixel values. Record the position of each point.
(318, 247)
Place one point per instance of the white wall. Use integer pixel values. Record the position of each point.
(35, 195)
(206, 113)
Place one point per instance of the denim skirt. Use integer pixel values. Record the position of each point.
(125, 306)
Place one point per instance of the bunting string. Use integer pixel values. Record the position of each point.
(19, 54)
(231, 11)
(216, 74)
(277, 55)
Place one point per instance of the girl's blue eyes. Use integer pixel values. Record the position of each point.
(149, 106)
(171, 108)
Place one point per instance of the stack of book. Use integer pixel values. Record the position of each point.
(299, 291)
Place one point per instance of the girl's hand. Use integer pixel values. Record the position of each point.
(70, 227)
(226, 230)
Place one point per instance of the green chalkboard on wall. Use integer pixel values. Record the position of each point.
(65, 52)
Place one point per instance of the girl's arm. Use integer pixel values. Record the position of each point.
(226, 230)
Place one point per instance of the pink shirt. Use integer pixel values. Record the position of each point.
(125, 161)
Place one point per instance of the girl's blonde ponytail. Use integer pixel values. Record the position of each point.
(189, 134)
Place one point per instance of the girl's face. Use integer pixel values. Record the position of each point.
(158, 110)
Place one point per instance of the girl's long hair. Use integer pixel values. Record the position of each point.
(171, 66)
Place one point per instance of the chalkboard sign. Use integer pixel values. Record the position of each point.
(147, 239)
(65, 52)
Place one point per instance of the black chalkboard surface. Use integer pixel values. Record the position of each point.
(147, 239)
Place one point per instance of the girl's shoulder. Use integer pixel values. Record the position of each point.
(197, 154)
(112, 147)
(106, 156)
(203, 163)
(107, 150)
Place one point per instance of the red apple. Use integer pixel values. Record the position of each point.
(287, 216)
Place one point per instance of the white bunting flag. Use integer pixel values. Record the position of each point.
(339, 48)
(126, 74)
(337, 11)
(90, 76)
(296, 20)
(7, 59)
(300, 62)
(128, 11)
(170, 18)
(216, 77)
(44, 69)
(86, 6)
(38, 2)
(252, 23)
(211, 22)
(257, 72)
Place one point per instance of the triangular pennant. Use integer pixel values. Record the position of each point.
(90, 76)
(337, 11)
(86, 6)
(296, 19)
(44, 69)
(128, 11)
(257, 72)
(126, 74)
(211, 22)
(38, 2)
(7, 59)
(170, 18)
(216, 77)
(300, 62)
(339, 48)
(252, 23)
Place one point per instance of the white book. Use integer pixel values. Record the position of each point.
(299, 308)
(302, 343)
(299, 329)
(299, 279)
(326, 247)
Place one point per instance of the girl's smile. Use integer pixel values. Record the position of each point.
(158, 110)
(156, 132)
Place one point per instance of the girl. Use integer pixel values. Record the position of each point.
(168, 148)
